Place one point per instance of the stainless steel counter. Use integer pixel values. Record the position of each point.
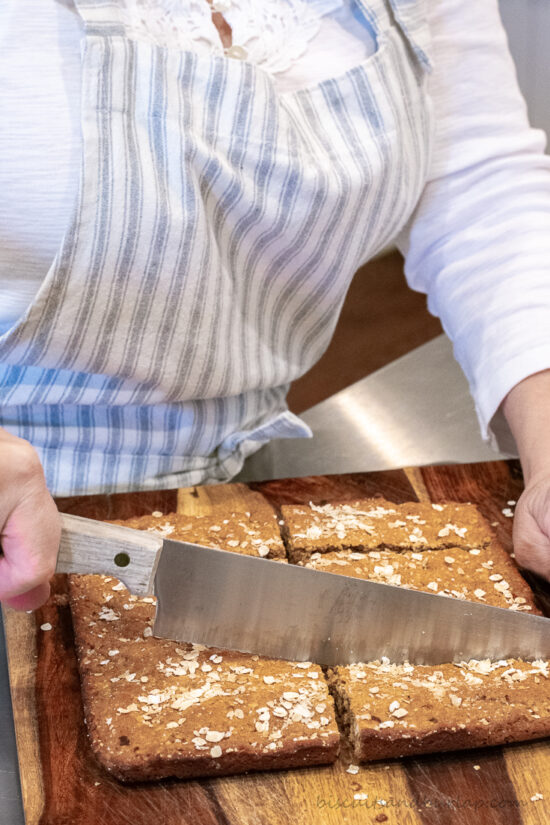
(415, 411)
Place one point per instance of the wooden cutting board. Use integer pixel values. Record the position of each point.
(63, 785)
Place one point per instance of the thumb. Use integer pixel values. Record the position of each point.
(30, 540)
(31, 599)
(531, 531)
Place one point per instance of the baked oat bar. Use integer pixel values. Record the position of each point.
(391, 710)
(156, 708)
(485, 575)
(372, 524)
(251, 532)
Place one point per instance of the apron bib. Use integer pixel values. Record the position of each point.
(218, 226)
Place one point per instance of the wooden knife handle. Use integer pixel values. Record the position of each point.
(89, 546)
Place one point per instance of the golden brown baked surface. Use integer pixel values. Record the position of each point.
(392, 710)
(254, 532)
(395, 710)
(155, 708)
(372, 524)
(485, 575)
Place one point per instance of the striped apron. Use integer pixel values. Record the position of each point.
(217, 228)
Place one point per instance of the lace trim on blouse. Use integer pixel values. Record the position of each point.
(273, 35)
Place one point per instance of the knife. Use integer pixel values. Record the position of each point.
(255, 605)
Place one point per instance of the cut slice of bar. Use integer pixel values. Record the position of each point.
(372, 524)
(393, 710)
(252, 532)
(486, 574)
(156, 708)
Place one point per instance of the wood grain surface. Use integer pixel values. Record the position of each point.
(63, 785)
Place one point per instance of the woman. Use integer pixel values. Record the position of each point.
(236, 165)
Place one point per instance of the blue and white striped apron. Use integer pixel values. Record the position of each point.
(217, 229)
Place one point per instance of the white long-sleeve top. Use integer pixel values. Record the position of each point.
(478, 243)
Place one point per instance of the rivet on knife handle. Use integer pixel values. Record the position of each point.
(89, 546)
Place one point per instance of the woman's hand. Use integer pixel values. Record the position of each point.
(29, 526)
(527, 410)
(532, 527)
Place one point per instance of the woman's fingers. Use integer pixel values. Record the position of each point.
(532, 528)
(30, 541)
(29, 526)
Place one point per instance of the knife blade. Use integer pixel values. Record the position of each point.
(255, 605)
